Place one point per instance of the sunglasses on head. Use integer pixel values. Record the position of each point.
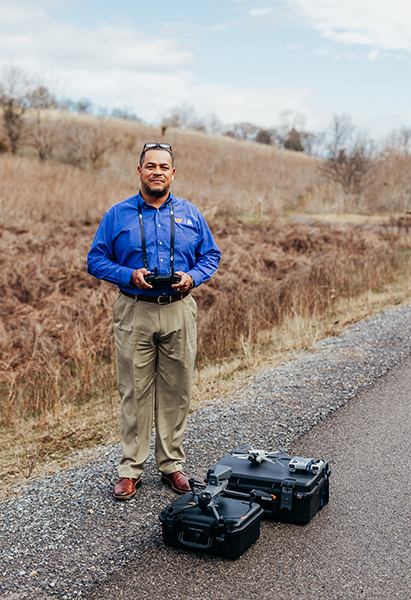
(152, 145)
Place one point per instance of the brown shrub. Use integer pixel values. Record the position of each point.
(272, 271)
(33, 192)
(222, 176)
(55, 327)
(56, 321)
(391, 189)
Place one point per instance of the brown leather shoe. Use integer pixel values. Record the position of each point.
(126, 488)
(178, 481)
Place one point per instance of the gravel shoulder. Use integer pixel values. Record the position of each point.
(65, 535)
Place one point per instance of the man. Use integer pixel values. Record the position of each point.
(151, 236)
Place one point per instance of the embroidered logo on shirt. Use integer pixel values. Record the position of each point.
(184, 221)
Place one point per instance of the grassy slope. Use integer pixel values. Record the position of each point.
(56, 325)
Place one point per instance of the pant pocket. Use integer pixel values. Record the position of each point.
(123, 313)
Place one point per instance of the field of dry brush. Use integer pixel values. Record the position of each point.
(56, 343)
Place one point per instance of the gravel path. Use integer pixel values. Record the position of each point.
(66, 535)
(358, 547)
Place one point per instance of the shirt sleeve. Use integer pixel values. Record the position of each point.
(101, 260)
(207, 255)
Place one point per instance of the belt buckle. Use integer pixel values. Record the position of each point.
(166, 298)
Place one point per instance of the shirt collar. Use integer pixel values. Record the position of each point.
(142, 202)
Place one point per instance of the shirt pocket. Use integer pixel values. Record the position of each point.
(186, 235)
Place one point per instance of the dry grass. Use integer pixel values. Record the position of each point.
(33, 193)
(220, 175)
(73, 435)
(56, 345)
(280, 286)
(223, 176)
(218, 378)
(352, 219)
(272, 271)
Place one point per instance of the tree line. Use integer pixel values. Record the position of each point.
(347, 157)
(30, 112)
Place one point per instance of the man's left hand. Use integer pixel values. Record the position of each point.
(185, 282)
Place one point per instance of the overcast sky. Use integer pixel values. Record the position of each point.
(244, 60)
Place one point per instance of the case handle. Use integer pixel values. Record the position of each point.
(193, 544)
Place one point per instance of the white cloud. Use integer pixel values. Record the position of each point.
(219, 27)
(260, 12)
(325, 52)
(37, 42)
(377, 23)
(117, 66)
(112, 65)
(373, 55)
(29, 36)
(261, 106)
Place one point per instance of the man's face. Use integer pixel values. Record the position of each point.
(157, 172)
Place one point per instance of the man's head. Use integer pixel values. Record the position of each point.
(156, 171)
(156, 146)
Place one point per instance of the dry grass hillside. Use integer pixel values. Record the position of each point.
(220, 175)
(56, 349)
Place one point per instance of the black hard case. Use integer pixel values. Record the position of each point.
(298, 495)
(196, 529)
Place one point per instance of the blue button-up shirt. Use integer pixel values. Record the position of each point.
(116, 250)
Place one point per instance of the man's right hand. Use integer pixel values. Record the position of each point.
(138, 280)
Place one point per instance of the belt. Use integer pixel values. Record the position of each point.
(156, 299)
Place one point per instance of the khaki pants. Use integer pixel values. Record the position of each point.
(155, 353)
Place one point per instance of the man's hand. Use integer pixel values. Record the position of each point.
(184, 284)
(138, 280)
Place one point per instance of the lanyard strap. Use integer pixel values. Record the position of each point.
(172, 235)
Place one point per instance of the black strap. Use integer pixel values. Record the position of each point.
(172, 237)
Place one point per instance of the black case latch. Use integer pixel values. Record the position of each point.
(287, 489)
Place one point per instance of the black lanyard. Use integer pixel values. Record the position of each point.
(143, 237)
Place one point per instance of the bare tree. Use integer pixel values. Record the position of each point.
(293, 141)
(183, 117)
(73, 148)
(349, 158)
(85, 145)
(405, 139)
(312, 142)
(14, 89)
(265, 136)
(98, 142)
(243, 131)
(292, 135)
(213, 124)
(41, 131)
(126, 113)
(350, 168)
(289, 121)
(392, 174)
(341, 132)
(400, 141)
(84, 105)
